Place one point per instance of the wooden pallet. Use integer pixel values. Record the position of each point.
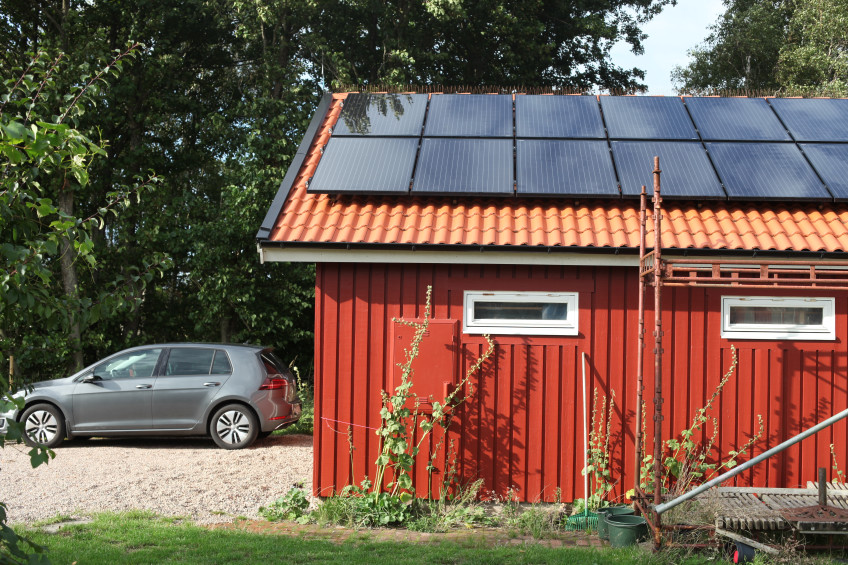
(757, 509)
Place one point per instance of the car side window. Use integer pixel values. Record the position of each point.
(134, 364)
(221, 364)
(189, 361)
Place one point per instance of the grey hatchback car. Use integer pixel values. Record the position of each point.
(233, 393)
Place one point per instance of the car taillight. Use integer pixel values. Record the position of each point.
(275, 382)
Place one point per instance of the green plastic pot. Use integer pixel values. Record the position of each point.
(603, 532)
(626, 530)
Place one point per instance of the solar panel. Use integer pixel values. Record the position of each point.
(464, 166)
(686, 169)
(558, 116)
(565, 168)
(365, 165)
(647, 117)
(469, 115)
(765, 170)
(831, 161)
(817, 119)
(736, 119)
(382, 114)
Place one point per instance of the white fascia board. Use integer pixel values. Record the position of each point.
(426, 256)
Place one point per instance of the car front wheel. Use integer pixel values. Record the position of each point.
(233, 427)
(43, 425)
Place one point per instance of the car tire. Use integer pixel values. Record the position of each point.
(44, 425)
(233, 426)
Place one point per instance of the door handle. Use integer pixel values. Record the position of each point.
(211, 384)
(143, 386)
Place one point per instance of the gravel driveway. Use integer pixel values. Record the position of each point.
(172, 477)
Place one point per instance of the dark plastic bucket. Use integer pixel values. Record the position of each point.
(603, 532)
(626, 530)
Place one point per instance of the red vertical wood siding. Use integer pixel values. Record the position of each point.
(521, 431)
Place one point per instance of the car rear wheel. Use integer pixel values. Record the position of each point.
(233, 426)
(43, 425)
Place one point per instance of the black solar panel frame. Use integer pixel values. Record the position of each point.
(599, 147)
(412, 123)
(435, 128)
(622, 147)
(716, 150)
(356, 162)
(431, 144)
(835, 180)
(585, 107)
(795, 124)
(611, 106)
(754, 109)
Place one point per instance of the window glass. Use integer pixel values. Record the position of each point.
(520, 313)
(767, 317)
(274, 365)
(189, 361)
(776, 315)
(129, 365)
(495, 310)
(221, 364)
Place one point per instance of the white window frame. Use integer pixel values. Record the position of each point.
(808, 332)
(471, 325)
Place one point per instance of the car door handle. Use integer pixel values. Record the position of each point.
(143, 386)
(211, 384)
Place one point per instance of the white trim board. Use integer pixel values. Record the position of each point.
(523, 257)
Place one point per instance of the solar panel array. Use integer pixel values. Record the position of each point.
(587, 146)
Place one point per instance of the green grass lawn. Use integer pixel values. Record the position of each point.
(140, 537)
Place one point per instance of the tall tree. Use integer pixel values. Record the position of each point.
(814, 59)
(742, 50)
(481, 42)
(217, 101)
(787, 47)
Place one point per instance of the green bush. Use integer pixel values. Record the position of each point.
(293, 507)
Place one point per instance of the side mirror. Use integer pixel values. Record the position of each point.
(91, 379)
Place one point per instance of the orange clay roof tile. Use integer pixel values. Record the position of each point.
(513, 222)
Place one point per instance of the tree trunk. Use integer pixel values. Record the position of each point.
(225, 329)
(70, 280)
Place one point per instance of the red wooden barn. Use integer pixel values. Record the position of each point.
(522, 214)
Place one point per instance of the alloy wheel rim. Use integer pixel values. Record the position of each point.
(232, 427)
(41, 426)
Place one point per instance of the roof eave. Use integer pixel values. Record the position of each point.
(313, 252)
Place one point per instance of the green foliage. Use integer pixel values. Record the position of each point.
(293, 507)
(141, 538)
(741, 52)
(400, 416)
(18, 549)
(446, 513)
(390, 498)
(599, 455)
(45, 160)
(481, 42)
(814, 60)
(687, 461)
(538, 521)
(784, 47)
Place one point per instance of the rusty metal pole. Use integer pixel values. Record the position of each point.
(658, 351)
(640, 352)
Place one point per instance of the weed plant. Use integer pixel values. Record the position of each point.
(292, 507)
(687, 462)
